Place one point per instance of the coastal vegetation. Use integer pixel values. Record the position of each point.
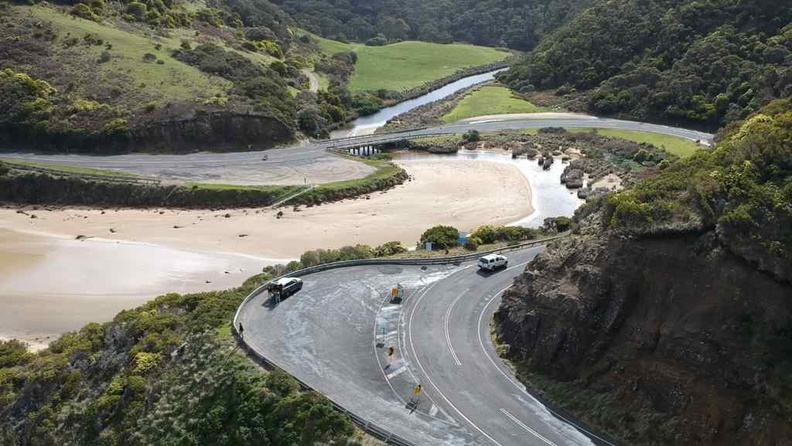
(128, 381)
(490, 100)
(55, 185)
(517, 25)
(674, 145)
(724, 213)
(700, 63)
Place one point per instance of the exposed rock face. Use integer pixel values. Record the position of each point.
(676, 326)
(573, 175)
(220, 130)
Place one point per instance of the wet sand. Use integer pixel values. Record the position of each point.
(51, 283)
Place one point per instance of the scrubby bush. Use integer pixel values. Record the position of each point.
(389, 249)
(471, 136)
(84, 11)
(473, 243)
(149, 58)
(557, 224)
(493, 234)
(378, 40)
(442, 237)
(137, 10)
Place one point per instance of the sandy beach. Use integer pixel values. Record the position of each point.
(51, 283)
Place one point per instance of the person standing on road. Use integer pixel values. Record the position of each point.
(241, 331)
(391, 352)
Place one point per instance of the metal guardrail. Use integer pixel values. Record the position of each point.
(346, 143)
(368, 427)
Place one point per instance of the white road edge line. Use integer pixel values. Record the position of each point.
(447, 335)
(524, 426)
(519, 386)
(418, 361)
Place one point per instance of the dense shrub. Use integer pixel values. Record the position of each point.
(471, 136)
(259, 83)
(698, 62)
(158, 374)
(493, 234)
(742, 188)
(473, 243)
(378, 40)
(389, 249)
(442, 237)
(84, 11)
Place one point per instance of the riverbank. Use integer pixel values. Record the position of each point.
(50, 282)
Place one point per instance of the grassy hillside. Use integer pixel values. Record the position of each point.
(405, 65)
(172, 80)
(159, 77)
(490, 100)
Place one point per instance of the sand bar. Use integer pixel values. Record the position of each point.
(51, 283)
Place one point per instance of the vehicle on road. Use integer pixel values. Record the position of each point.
(285, 287)
(492, 262)
(264, 158)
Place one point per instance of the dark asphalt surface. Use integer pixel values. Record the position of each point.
(334, 333)
(248, 167)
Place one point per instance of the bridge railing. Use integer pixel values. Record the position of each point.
(359, 141)
(367, 426)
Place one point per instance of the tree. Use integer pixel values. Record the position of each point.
(442, 237)
(394, 28)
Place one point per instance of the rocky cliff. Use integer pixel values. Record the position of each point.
(656, 340)
(212, 131)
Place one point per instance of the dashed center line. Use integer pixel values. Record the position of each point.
(447, 334)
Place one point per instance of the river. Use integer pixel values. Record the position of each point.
(368, 124)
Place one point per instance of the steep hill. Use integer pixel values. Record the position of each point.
(115, 82)
(514, 24)
(667, 319)
(696, 63)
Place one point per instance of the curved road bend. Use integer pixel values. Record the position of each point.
(245, 167)
(326, 335)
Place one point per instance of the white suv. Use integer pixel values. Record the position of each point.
(492, 262)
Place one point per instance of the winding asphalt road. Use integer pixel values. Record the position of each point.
(333, 335)
(248, 167)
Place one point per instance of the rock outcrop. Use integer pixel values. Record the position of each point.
(671, 339)
(212, 131)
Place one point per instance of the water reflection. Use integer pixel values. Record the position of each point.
(367, 124)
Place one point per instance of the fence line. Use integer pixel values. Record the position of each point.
(366, 426)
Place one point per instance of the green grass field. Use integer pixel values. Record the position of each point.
(490, 100)
(385, 169)
(405, 65)
(680, 147)
(173, 79)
